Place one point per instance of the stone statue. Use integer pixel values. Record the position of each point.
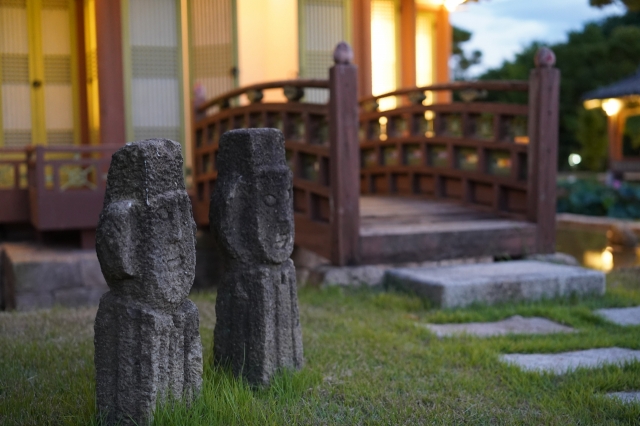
(257, 321)
(147, 343)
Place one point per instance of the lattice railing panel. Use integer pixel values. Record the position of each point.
(473, 152)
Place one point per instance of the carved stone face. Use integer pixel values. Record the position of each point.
(275, 215)
(148, 252)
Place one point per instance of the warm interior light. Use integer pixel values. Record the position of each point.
(383, 51)
(425, 27)
(452, 5)
(612, 106)
(592, 104)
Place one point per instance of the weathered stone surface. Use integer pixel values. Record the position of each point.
(37, 277)
(372, 275)
(558, 258)
(513, 325)
(147, 345)
(626, 397)
(496, 282)
(621, 316)
(568, 361)
(257, 329)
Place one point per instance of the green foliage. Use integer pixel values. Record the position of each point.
(600, 54)
(463, 61)
(631, 137)
(595, 199)
(591, 133)
(629, 4)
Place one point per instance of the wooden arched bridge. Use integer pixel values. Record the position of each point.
(420, 180)
(417, 174)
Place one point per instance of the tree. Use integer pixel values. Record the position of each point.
(632, 5)
(598, 55)
(462, 61)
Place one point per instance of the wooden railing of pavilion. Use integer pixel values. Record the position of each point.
(54, 188)
(14, 194)
(495, 156)
(67, 186)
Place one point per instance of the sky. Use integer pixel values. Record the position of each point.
(502, 27)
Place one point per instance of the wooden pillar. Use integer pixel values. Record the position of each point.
(81, 51)
(362, 44)
(544, 101)
(614, 126)
(344, 158)
(443, 50)
(110, 72)
(408, 43)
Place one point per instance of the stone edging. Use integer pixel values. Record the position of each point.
(593, 223)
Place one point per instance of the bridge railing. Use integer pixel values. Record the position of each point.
(321, 147)
(495, 156)
(474, 152)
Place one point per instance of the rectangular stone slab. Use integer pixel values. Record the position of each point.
(621, 316)
(567, 362)
(499, 282)
(33, 276)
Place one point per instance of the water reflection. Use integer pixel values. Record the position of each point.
(592, 249)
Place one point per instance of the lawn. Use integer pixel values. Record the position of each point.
(368, 361)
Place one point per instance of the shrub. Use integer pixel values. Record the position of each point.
(593, 198)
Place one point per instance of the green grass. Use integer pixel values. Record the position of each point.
(367, 362)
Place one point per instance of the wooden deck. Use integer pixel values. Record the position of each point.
(402, 229)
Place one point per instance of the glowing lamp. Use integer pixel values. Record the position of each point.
(592, 104)
(612, 106)
(574, 160)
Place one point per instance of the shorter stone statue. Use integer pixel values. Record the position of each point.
(147, 343)
(257, 321)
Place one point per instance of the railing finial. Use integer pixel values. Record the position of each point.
(545, 58)
(343, 54)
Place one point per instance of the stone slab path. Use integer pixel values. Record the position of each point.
(628, 397)
(568, 361)
(498, 282)
(621, 316)
(513, 325)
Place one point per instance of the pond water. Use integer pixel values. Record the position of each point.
(592, 250)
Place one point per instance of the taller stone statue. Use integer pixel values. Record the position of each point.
(257, 321)
(147, 343)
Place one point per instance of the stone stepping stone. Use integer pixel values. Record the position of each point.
(621, 316)
(513, 325)
(500, 282)
(568, 361)
(626, 397)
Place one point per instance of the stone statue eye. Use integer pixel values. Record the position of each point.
(270, 200)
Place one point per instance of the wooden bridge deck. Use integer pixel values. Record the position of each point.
(403, 229)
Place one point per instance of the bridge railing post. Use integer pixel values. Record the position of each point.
(344, 158)
(544, 101)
